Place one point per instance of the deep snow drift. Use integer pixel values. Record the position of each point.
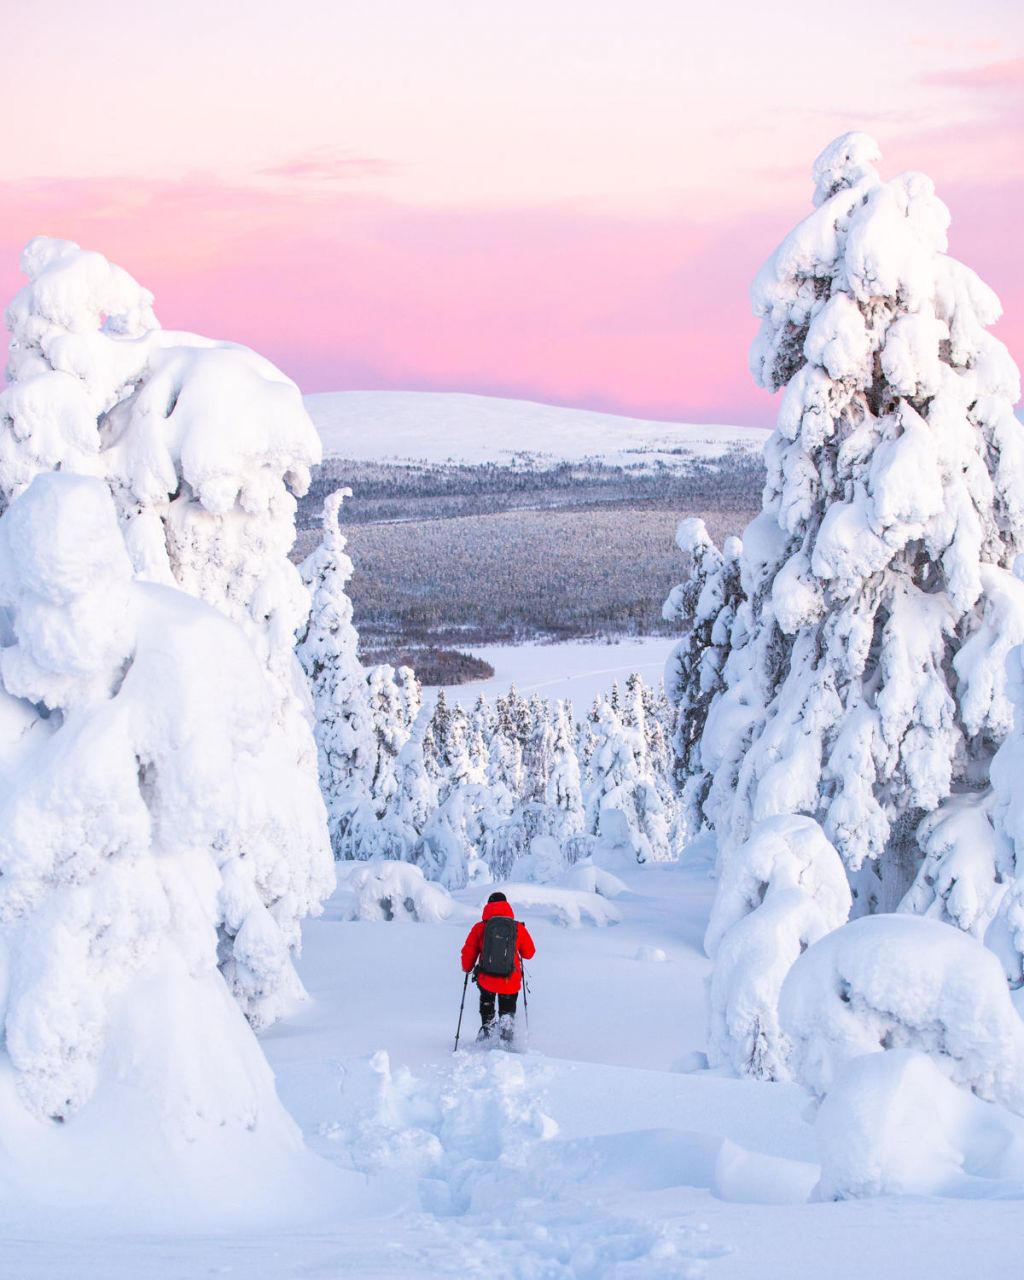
(603, 1151)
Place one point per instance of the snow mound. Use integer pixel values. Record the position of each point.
(893, 1124)
(184, 1133)
(382, 890)
(593, 879)
(568, 907)
(780, 891)
(429, 426)
(902, 982)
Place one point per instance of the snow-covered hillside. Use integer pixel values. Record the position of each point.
(434, 426)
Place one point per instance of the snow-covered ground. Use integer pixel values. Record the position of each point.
(577, 670)
(603, 1151)
(434, 426)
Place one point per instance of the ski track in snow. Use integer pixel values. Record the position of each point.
(594, 1153)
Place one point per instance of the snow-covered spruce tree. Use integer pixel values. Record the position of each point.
(563, 794)
(410, 696)
(623, 809)
(388, 711)
(868, 688)
(436, 742)
(657, 717)
(454, 754)
(479, 733)
(537, 751)
(141, 801)
(482, 720)
(327, 649)
(455, 837)
(204, 447)
(414, 799)
(429, 748)
(504, 758)
(585, 742)
(704, 605)
(642, 713)
(513, 716)
(992, 863)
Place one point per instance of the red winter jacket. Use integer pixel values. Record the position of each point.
(472, 945)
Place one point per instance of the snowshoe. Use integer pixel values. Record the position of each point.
(508, 1036)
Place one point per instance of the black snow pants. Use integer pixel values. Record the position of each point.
(506, 1005)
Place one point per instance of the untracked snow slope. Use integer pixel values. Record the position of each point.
(435, 426)
(575, 670)
(602, 1153)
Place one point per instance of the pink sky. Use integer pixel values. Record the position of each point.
(563, 201)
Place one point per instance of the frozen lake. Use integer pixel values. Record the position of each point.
(577, 670)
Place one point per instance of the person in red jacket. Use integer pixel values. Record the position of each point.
(505, 990)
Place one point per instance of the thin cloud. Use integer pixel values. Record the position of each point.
(991, 75)
(329, 166)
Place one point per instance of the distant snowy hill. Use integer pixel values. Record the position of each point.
(451, 426)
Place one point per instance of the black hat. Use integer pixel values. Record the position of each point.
(496, 897)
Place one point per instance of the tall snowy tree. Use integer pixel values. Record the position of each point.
(513, 714)
(538, 751)
(390, 731)
(704, 605)
(455, 752)
(563, 794)
(414, 799)
(436, 744)
(504, 763)
(508, 743)
(867, 689)
(623, 808)
(585, 742)
(204, 447)
(410, 696)
(647, 713)
(989, 872)
(345, 734)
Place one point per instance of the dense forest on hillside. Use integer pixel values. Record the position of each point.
(485, 553)
(431, 491)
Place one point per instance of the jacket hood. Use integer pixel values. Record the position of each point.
(498, 909)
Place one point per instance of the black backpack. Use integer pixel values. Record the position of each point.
(498, 948)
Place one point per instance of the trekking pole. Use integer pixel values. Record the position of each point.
(526, 1007)
(458, 1029)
